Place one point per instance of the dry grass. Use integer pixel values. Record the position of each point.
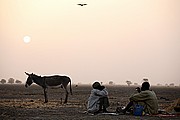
(17, 102)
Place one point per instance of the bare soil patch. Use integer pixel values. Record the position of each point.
(18, 102)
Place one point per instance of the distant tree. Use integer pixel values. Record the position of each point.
(166, 85)
(136, 84)
(128, 82)
(11, 80)
(3, 81)
(145, 80)
(172, 84)
(159, 84)
(111, 82)
(18, 81)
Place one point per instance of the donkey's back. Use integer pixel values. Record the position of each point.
(57, 80)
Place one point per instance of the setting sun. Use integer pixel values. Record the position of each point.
(105, 40)
(27, 39)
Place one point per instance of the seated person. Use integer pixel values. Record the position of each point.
(146, 98)
(98, 100)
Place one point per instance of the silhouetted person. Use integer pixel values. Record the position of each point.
(98, 100)
(146, 98)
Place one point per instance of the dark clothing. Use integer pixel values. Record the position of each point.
(103, 103)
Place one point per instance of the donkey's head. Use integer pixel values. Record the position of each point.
(29, 79)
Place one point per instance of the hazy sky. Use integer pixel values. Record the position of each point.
(106, 40)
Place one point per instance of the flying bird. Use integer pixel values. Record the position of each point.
(81, 4)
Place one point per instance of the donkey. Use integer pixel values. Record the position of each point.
(48, 81)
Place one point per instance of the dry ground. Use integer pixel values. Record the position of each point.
(18, 102)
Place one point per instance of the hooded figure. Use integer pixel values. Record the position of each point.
(98, 99)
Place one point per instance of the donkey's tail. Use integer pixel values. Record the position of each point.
(70, 87)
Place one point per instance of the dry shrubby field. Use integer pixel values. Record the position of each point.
(18, 102)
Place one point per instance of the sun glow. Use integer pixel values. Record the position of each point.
(27, 39)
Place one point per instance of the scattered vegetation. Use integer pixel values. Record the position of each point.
(3, 81)
(128, 82)
(10, 81)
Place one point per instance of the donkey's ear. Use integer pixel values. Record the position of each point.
(27, 73)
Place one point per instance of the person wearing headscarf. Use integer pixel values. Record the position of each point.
(98, 99)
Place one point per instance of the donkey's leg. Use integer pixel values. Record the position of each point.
(65, 101)
(45, 95)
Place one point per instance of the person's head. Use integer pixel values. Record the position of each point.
(97, 85)
(145, 86)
